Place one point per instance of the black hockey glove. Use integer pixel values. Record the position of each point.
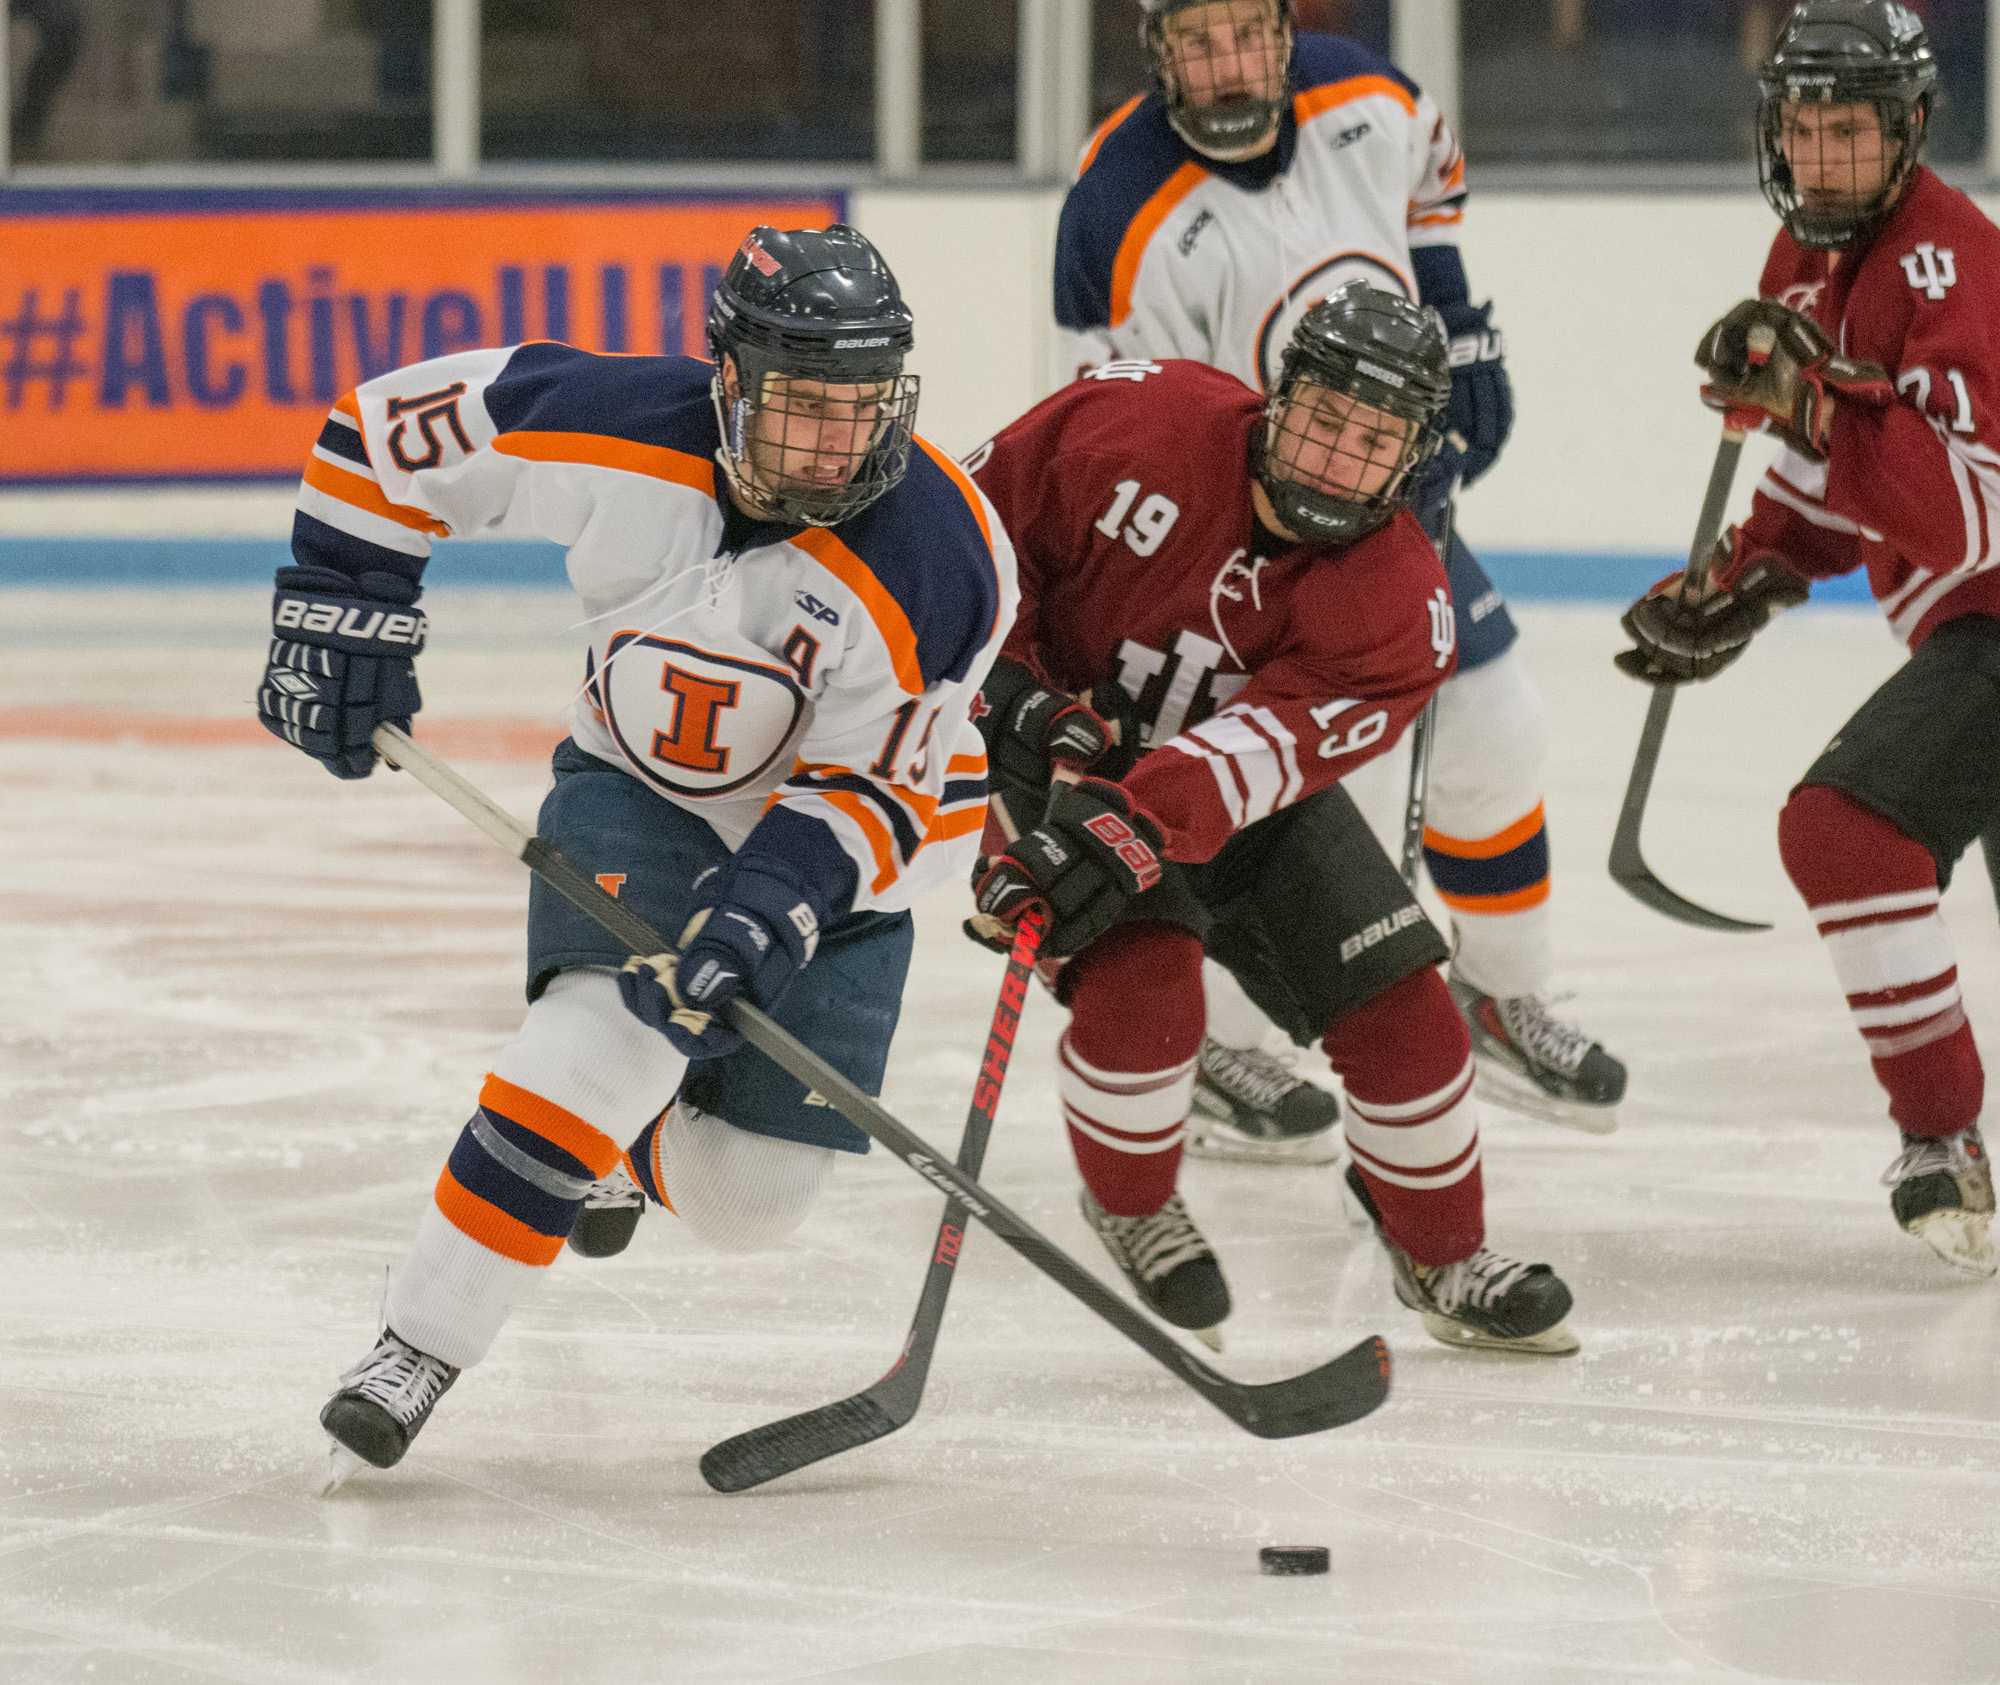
(757, 925)
(1481, 412)
(343, 661)
(1768, 366)
(1679, 642)
(1091, 854)
(1031, 729)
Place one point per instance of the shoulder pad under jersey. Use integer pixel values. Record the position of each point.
(923, 562)
(1133, 158)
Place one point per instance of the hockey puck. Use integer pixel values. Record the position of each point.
(1294, 1559)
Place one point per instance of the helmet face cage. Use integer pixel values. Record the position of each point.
(814, 449)
(1844, 105)
(808, 332)
(1348, 424)
(1222, 66)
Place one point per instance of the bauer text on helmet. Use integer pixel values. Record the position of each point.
(808, 331)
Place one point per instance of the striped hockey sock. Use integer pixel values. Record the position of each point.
(1412, 1124)
(1128, 1064)
(1873, 893)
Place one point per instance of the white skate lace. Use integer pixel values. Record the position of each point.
(1482, 1281)
(1157, 1244)
(613, 1192)
(1926, 1156)
(1542, 1036)
(403, 1380)
(1263, 1079)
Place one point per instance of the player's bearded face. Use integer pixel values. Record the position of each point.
(1331, 443)
(1836, 153)
(814, 435)
(1229, 49)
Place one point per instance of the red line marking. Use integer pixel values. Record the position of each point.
(504, 739)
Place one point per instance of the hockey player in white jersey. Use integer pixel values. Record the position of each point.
(792, 602)
(1207, 216)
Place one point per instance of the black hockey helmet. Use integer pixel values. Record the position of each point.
(1226, 128)
(821, 422)
(1845, 52)
(1358, 346)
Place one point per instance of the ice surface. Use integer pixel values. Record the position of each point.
(244, 1009)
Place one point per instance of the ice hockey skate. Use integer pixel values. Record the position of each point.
(1169, 1264)
(611, 1212)
(382, 1405)
(1488, 1302)
(1250, 1107)
(1942, 1192)
(1532, 1062)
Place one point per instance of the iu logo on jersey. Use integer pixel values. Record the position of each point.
(1178, 690)
(1931, 270)
(1444, 626)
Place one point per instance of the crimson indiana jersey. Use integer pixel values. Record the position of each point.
(1262, 673)
(1911, 490)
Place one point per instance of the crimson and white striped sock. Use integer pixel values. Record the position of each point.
(1127, 1063)
(1412, 1124)
(1873, 893)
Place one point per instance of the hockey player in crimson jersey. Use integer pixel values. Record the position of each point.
(1261, 172)
(792, 601)
(1872, 351)
(1226, 608)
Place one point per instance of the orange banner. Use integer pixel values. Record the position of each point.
(177, 335)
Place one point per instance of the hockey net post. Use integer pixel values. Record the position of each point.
(1342, 1390)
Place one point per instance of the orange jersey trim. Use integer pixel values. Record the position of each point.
(970, 493)
(871, 827)
(1315, 102)
(920, 807)
(1104, 129)
(485, 1224)
(959, 822)
(1487, 848)
(1132, 249)
(601, 450)
(584, 1142)
(974, 764)
(891, 622)
(350, 406)
(365, 494)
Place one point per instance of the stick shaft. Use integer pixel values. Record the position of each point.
(1339, 1391)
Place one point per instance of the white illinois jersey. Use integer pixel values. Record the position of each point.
(735, 667)
(1164, 253)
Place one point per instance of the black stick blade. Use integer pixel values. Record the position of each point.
(1353, 1385)
(1635, 877)
(776, 1448)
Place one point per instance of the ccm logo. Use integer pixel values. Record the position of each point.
(369, 625)
(1128, 845)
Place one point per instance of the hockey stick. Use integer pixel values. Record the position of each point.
(1421, 733)
(1628, 866)
(784, 1447)
(1420, 782)
(1339, 1391)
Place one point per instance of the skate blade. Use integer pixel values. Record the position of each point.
(1551, 1342)
(340, 1467)
(1963, 1239)
(1352, 1211)
(1220, 1146)
(1506, 1087)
